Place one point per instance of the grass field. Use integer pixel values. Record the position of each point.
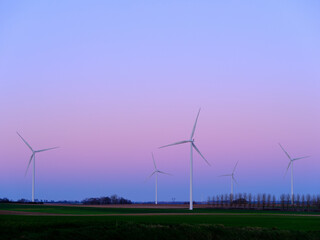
(81, 210)
(245, 225)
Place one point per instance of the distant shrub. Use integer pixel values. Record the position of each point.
(114, 199)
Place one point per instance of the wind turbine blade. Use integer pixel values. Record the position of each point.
(150, 176)
(29, 163)
(195, 124)
(234, 180)
(181, 142)
(235, 167)
(47, 149)
(164, 173)
(154, 163)
(225, 175)
(287, 169)
(200, 153)
(285, 152)
(300, 158)
(25, 142)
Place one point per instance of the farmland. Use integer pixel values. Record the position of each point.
(79, 222)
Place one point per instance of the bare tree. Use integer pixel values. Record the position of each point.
(240, 199)
(287, 201)
(258, 200)
(254, 198)
(222, 201)
(273, 201)
(114, 199)
(231, 200)
(249, 200)
(236, 198)
(213, 201)
(263, 201)
(268, 200)
(226, 200)
(293, 200)
(283, 200)
(314, 201)
(245, 202)
(303, 202)
(298, 200)
(218, 200)
(308, 201)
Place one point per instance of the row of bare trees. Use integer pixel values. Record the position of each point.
(266, 201)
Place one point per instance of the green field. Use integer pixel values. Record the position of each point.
(256, 225)
(98, 210)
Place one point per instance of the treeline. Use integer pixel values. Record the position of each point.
(22, 200)
(114, 199)
(266, 201)
(4, 200)
(36, 201)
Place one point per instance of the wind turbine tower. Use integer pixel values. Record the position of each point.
(33, 157)
(231, 177)
(192, 146)
(291, 160)
(156, 171)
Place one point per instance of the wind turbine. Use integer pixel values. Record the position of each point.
(192, 146)
(33, 156)
(232, 178)
(156, 171)
(291, 163)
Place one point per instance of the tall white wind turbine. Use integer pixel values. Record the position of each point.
(156, 171)
(232, 177)
(33, 156)
(192, 146)
(291, 163)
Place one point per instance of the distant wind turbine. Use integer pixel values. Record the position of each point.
(33, 156)
(156, 171)
(192, 146)
(291, 163)
(232, 177)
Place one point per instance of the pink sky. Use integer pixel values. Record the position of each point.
(110, 83)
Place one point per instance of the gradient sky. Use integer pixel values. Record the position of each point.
(111, 81)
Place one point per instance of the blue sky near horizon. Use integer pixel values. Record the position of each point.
(111, 81)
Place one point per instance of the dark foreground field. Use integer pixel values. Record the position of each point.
(218, 224)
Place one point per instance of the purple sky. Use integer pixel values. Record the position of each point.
(111, 81)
